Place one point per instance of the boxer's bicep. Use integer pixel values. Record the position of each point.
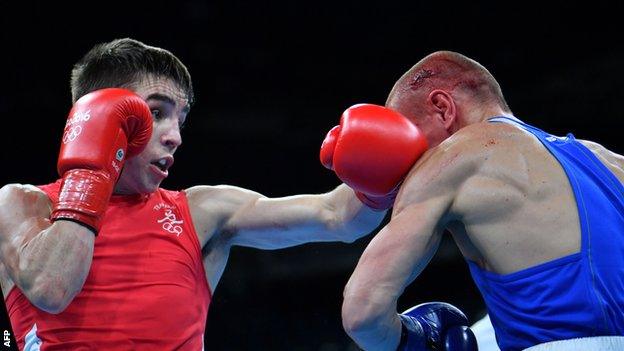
(247, 218)
(49, 259)
(24, 213)
(272, 223)
(214, 210)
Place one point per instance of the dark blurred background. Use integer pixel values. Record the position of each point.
(271, 78)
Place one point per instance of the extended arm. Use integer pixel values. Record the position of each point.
(251, 219)
(360, 156)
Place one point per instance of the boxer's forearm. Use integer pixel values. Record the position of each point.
(52, 266)
(353, 219)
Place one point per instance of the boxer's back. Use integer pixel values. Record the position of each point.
(540, 219)
(517, 209)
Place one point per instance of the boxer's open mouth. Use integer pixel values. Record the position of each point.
(163, 163)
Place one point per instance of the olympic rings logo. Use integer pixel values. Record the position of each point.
(73, 128)
(173, 229)
(71, 134)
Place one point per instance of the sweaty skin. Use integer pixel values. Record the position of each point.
(497, 190)
(504, 198)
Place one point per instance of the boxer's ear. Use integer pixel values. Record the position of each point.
(443, 105)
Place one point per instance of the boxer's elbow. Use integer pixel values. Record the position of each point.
(345, 229)
(361, 315)
(335, 223)
(369, 323)
(360, 225)
(348, 225)
(49, 296)
(354, 322)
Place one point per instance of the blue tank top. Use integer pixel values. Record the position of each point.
(574, 296)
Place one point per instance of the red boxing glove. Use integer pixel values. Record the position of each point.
(103, 128)
(372, 150)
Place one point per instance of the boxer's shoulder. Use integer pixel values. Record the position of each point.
(212, 206)
(463, 153)
(610, 159)
(476, 157)
(213, 197)
(489, 136)
(206, 204)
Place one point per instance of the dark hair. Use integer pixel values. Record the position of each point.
(123, 62)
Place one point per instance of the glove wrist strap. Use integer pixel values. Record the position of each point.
(83, 197)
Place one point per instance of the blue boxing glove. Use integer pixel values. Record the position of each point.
(435, 326)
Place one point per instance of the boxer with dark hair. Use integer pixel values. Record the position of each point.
(104, 258)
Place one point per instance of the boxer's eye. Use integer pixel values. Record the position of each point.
(156, 114)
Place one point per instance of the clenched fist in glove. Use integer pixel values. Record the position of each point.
(372, 150)
(103, 129)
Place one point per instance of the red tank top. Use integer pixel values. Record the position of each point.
(146, 289)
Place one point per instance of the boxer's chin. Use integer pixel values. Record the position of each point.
(135, 180)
